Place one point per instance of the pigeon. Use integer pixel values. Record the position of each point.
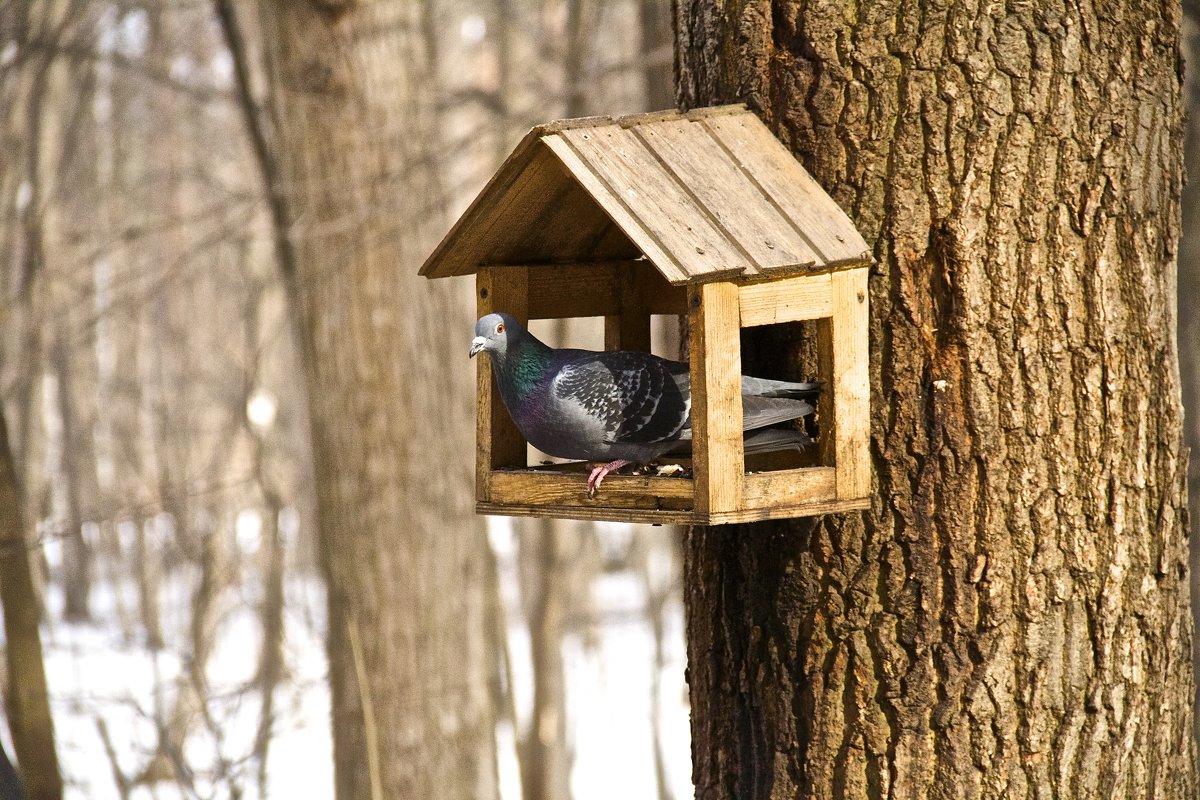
(619, 406)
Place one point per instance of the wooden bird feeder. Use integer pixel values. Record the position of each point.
(704, 214)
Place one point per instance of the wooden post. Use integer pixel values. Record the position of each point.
(827, 418)
(498, 443)
(851, 384)
(629, 329)
(716, 361)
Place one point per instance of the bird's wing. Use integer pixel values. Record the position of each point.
(636, 397)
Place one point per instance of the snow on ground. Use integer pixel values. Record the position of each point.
(95, 674)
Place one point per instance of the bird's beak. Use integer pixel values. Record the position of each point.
(476, 345)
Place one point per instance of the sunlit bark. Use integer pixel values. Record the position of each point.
(1010, 620)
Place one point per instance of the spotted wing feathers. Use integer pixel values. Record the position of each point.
(635, 397)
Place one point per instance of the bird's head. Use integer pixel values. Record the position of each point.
(494, 332)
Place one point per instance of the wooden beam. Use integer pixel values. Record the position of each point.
(787, 300)
(558, 291)
(629, 328)
(716, 365)
(851, 384)
(665, 516)
(560, 489)
(789, 487)
(498, 443)
(827, 418)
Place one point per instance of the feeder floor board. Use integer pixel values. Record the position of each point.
(560, 491)
(669, 517)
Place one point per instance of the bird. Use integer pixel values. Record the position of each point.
(619, 407)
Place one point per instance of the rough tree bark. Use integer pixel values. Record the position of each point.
(399, 544)
(1010, 619)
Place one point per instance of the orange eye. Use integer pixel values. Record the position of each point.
(500, 328)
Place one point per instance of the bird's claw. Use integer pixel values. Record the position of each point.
(598, 474)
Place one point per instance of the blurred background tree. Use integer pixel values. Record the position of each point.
(223, 380)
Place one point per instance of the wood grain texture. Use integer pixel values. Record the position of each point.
(788, 187)
(665, 210)
(617, 209)
(786, 300)
(714, 338)
(670, 517)
(789, 487)
(850, 384)
(561, 291)
(722, 191)
(542, 488)
(498, 443)
(1010, 619)
(629, 327)
(704, 196)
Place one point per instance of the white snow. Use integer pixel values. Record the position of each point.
(96, 674)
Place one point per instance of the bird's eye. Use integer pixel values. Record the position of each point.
(500, 327)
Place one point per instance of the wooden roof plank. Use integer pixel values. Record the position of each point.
(699, 194)
(734, 201)
(651, 194)
(788, 185)
(568, 225)
(629, 223)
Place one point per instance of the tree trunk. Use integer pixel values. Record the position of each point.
(77, 561)
(1189, 292)
(28, 701)
(390, 393)
(1010, 619)
(545, 758)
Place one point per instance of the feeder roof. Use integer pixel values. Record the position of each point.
(706, 195)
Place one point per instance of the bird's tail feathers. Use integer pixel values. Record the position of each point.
(773, 440)
(762, 387)
(759, 412)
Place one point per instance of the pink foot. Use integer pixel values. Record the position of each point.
(598, 474)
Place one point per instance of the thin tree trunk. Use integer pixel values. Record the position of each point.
(656, 603)
(575, 60)
(545, 762)
(10, 781)
(1189, 298)
(28, 699)
(77, 581)
(654, 17)
(1010, 620)
(399, 546)
(270, 663)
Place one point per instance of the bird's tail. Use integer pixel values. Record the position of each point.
(759, 411)
(772, 440)
(762, 387)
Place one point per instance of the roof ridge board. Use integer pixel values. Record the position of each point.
(559, 125)
(635, 120)
(641, 118)
(704, 112)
